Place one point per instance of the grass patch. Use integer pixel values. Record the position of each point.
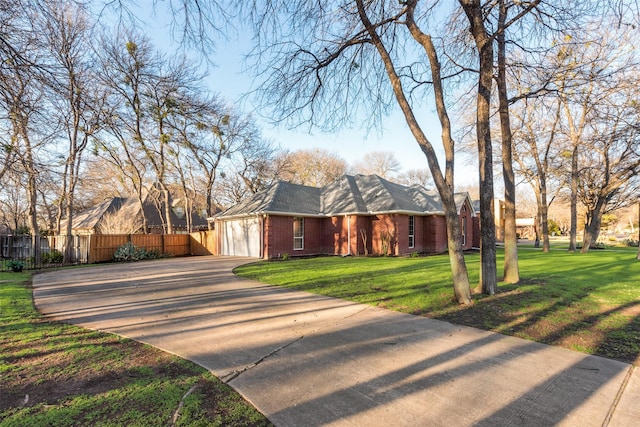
(586, 302)
(54, 374)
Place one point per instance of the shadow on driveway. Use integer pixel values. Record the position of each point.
(308, 360)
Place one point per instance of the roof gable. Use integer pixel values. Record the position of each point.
(382, 196)
(88, 219)
(343, 197)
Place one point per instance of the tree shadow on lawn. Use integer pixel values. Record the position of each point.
(572, 321)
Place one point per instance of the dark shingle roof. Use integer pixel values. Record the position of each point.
(381, 195)
(89, 218)
(343, 196)
(359, 194)
(283, 197)
(428, 199)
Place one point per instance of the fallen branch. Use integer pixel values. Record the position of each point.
(176, 414)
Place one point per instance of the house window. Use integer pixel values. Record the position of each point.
(298, 233)
(412, 230)
(463, 227)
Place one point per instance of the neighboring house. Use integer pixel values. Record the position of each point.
(526, 228)
(498, 217)
(355, 215)
(123, 215)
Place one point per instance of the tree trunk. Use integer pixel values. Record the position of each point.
(68, 244)
(166, 199)
(484, 44)
(32, 192)
(543, 210)
(444, 184)
(574, 199)
(638, 257)
(592, 226)
(33, 213)
(511, 271)
(461, 287)
(544, 227)
(68, 195)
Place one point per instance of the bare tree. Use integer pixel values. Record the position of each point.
(536, 146)
(314, 167)
(511, 270)
(22, 100)
(592, 78)
(610, 168)
(148, 92)
(259, 165)
(382, 163)
(329, 56)
(100, 180)
(474, 10)
(122, 76)
(75, 96)
(13, 206)
(420, 177)
(215, 136)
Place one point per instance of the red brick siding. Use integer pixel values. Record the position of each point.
(278, 238)
(420, 242)
(402, 234)
(476, 231)
(334, 238)
(435, 231)
(435, 234)
(331, 235)
(363, 225)
(465, 216)
(381, 225)
(278, 232)
(343, 236)
(314, 241)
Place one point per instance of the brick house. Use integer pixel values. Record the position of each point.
(355, 215)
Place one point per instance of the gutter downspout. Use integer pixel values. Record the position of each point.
(261, 219)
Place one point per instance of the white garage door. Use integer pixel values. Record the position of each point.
(241, 237)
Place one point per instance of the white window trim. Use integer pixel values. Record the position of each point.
(300, 238)
(412, 237)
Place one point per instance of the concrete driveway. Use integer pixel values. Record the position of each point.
(306, 360)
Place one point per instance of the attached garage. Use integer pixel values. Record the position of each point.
(240, 237)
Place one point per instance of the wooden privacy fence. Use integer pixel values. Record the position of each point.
(203, 243)
(103, 246)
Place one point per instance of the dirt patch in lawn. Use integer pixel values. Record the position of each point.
(50, 376)
(52, 365)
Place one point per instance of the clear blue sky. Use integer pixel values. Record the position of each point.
(230, 82)
(228, 79)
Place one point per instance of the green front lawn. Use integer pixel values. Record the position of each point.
(52, 374)
(587, 302)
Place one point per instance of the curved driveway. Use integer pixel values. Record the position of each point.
(307, 360)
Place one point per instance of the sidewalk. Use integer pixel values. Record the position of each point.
(307, 360)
